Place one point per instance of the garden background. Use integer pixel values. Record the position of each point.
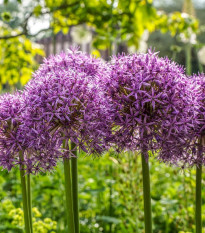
(110, 187)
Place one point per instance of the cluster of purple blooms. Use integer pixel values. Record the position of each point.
(148, 97)
(197, 84)
(136, 102)
(16, 134)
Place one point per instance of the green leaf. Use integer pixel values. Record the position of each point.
(6, 16)
(65, 30)
(57, 29)
(37, 10)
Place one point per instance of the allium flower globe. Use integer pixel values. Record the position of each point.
(150, 101)
(10, 135)
(16, 136)
(67, 95)
(197, 86)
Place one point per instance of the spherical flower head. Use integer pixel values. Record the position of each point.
(181, 148)
(16, 137)
(197, 129)
(149, 100)
(67, 95)
(10, 108)
(198, 82)
(95, 69)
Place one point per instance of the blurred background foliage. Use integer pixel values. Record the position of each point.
(115, 26)
(17, 59)
(110, 192)
(110, 187)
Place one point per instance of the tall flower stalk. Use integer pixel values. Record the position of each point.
(11, 152)
(20, 146)
(24, 195)
(146, 92)
(66, 96)
(186, 147)
(29, 201)
(146, 193)
(68, 191)
(188, 50)
(74, 171)
(198, 191)
(146, 188)
(198, 83)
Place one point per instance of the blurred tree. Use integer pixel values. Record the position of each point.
(7, 10)
(17, 58)
(113, 23)
(109, 20)
(173, 46)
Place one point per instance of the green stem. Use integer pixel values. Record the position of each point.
(188, 59)
(74, 170)
(174, 54)
(198, 193)
(198, 199)
(185, 197)
(110, 49)
(135, 184)
(24, 194)
(147, 197)
(199, 63)
(29, 201)
(111, 203)
(201, 70)
(68, 192)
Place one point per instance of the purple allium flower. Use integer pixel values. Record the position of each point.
(10, 108)
(67, 96)
(150, 100)
(198, 84)
(16, 137)
(197, 132)
(181, 147)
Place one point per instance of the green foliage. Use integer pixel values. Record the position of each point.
(112, 21)
(176, 23)
(6, 16)
(12, 219)
(121, 21)
(17, 59)
(111, 198)
(37, 10)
